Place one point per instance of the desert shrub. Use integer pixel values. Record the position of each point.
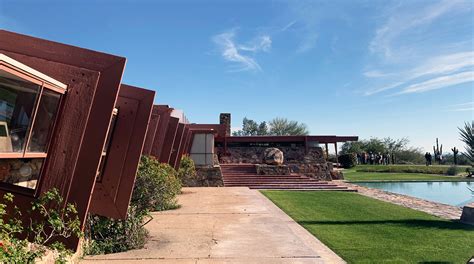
(187, 171)
(156, 186)
(453, 170)
(347, 160)
(56, 221)
(106, 235)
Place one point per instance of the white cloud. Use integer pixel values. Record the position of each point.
(439, 82)
(445, 64)
(437, 66)
(400, 22)
(289, 25)
(469, 106)
(232, 51)
(413, 53)
(262, 43)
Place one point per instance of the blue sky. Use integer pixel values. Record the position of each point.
(367, 68)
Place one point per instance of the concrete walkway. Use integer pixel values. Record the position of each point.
(225, 225)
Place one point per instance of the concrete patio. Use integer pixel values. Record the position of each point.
(224, 225)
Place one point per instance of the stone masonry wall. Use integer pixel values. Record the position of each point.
(311, 164)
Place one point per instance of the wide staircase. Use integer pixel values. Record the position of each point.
(245, 175)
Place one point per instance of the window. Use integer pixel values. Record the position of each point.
(29, 103)
(105, 150)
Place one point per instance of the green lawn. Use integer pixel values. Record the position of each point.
(353, 176)
(365, 230)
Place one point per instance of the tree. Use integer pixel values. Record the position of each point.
(249, 128)
(262, 129)
(352, 147)
(284, 127)
(467, 136)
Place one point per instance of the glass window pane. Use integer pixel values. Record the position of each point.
(17, 102)
(21, 172)
(44, 121)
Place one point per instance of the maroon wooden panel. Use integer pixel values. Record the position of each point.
(169, 140)
(112, 194)
(176, 145)
(182, 146)
(151, 132)
(165, 114)
(93, 81)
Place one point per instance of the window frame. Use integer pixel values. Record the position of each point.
(28, 74)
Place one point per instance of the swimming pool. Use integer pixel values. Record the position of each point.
(452, 193)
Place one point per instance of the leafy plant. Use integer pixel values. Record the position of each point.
(187, 171)
(53, 221)
(106, 235)
(453, 170)
(347, 160)
(156, 186)
(467, 136)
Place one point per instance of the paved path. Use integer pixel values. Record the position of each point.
(225, 225)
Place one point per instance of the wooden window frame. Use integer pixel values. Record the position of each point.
(28, 74)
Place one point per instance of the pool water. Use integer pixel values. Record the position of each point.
(452, 193)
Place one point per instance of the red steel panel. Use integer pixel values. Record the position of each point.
(112, 194)
(93, 81)
(176, 145)
(151, 132)
(169, 140)
(182, 146)
(165, 114)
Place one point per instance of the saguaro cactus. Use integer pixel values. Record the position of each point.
(438, 152)
(455, 155)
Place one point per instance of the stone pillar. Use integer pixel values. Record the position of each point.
(224, 119)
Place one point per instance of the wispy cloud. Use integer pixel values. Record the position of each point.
(469, 106)
(410, 54)
(439, 82)
(234, 52)
(441, 66)
(289, 25)
(401, 22)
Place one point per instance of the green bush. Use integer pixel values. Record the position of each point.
(453, 170)
(187, 171)
(347, 160)
(106, 235)
(53, 221)
(156, 186)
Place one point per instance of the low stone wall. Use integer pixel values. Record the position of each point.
(311, 164)
(264, 169)
(208, 177)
